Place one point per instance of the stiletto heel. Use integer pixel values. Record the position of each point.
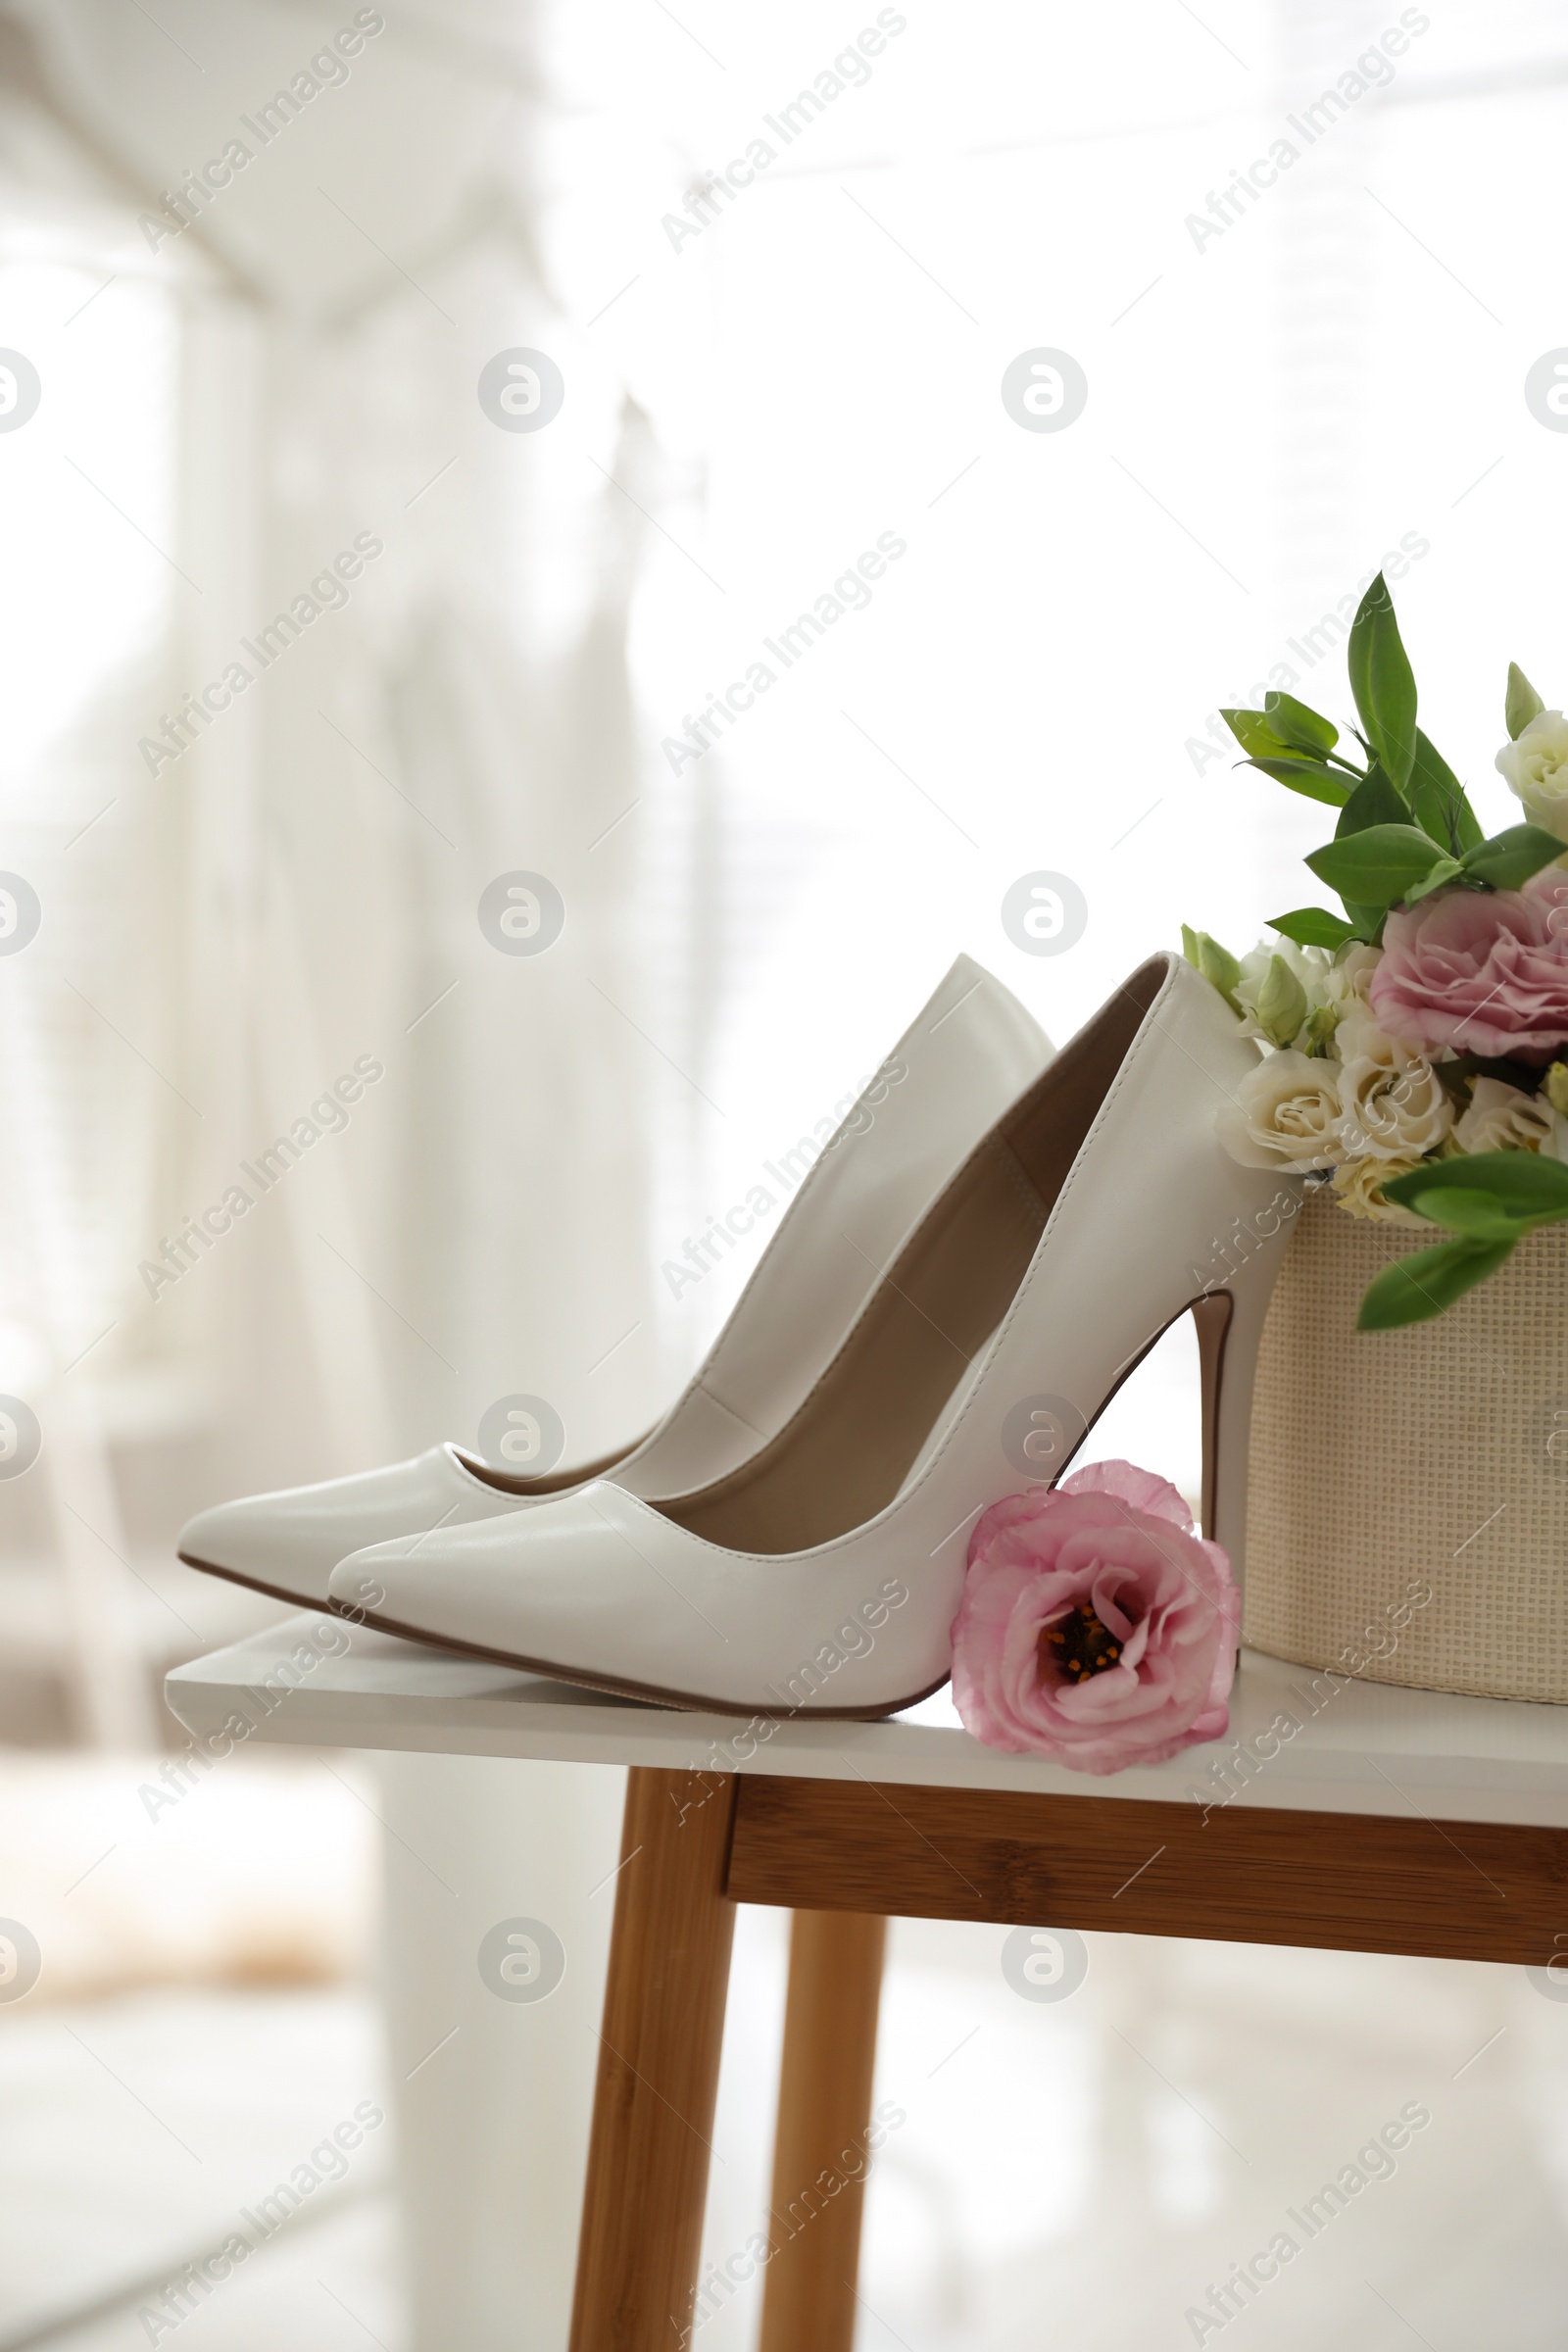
(1211, 1318)
(1230, 1321)
(824, 1573)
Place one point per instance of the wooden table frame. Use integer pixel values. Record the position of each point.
(847, 1855)
(1386, 1820)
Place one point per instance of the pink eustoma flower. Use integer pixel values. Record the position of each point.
(1484, 972)
(1097, 1627)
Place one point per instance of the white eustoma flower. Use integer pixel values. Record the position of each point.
(1349, 977)
(1393, 1100)
(1500, 1118)
(1358, 1188)
(1286, 1114)
(1535, 765)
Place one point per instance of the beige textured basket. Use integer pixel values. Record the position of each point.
(1432, 1459)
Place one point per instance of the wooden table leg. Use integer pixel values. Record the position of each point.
(664, 2023)
(820, 2152)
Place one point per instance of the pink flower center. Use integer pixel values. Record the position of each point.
(1078, 1645)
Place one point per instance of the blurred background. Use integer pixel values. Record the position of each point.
(244, 335)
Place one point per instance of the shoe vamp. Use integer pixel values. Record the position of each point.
(595, 1586)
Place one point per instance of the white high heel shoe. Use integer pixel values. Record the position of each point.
(823, 1574)
(952, 1074)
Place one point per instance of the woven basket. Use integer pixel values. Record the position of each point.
(1429, 1461)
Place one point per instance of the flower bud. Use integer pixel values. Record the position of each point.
(1281, 1005)
(1217, 965)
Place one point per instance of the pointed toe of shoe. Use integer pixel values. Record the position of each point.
(261, 1542)
(288, 1544)
(483, 1585)
(389, 1584)
(539, 1591)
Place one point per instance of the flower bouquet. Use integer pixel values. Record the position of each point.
(1414, 1048)
(1414, 1065)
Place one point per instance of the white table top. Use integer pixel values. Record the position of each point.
(1366, 1748)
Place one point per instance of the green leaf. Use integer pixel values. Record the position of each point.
(1527, 1185)
(1306, 776)
(1417, 1288)
(1437, 800)
(1190, 944)
(1481, 1217)
(1293, 723)
(1383, 682)
(1443, 871)
(1521, 704)
(1315, 927)
(1376, 867)
(1289, 759)
(1509, 859)
(1374, 802)
(1253, 733)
